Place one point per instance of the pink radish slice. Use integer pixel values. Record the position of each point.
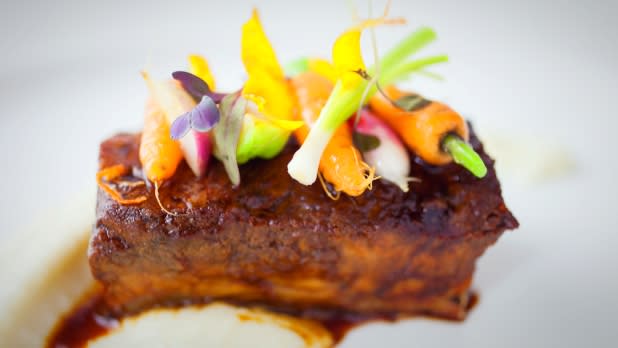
(203, 151)
(174, 101)
(391, 158)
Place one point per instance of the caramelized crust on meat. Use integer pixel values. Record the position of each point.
(277, 242)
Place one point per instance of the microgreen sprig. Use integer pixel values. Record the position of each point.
(204, 115)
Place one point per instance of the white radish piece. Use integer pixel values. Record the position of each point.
(390, 158)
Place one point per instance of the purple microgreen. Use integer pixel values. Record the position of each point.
(180, 127)
(227, 132)
(194, 85)
(365, 142)
(217, 97)
(205, 115)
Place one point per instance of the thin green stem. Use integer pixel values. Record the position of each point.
(343, 103)
(403, 70)
(409, 45)
(430, 74)
(464, 155)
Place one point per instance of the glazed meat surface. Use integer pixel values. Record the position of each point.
(274, 241)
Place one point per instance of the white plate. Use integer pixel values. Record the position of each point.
(527, 69)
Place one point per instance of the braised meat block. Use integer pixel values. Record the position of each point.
(274, 241)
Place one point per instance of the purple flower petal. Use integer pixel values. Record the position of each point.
(180, 127)
(205, 115)
(217, 97)
(194, 85)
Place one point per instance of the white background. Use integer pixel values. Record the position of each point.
(69, 77)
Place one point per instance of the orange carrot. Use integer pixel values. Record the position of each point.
(423, 130)
(106, 175)
(341, 163)
(158, 153)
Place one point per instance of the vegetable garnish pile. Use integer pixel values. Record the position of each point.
(353, 124)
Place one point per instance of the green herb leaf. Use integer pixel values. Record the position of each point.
(227, 132)
(411, 102)
(365, 142)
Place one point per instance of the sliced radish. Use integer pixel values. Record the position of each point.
(390, 158)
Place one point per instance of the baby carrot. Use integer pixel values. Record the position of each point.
(434, 131)
(422, 129)
(341, 163)
(158, 153)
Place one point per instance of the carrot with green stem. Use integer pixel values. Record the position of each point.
(434, 131)
(341, 163)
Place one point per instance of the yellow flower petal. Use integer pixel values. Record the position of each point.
(256, 99)
(288, 125)
(199, 68)
(266, 86)
(348, 59)
(257, 52)
(347, 56)
(265, 114)
(323, 67)
(273, 96)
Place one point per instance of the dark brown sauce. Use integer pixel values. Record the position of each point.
(340, 326)
(84, 322)
(472, 301)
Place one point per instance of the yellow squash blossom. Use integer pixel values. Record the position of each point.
(323, 67)
(267, 125)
